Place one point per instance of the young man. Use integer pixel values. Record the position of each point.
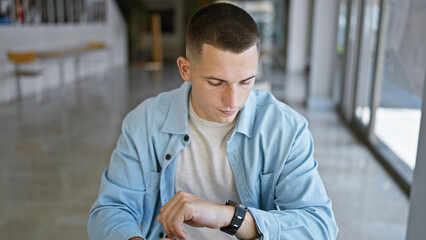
(184, 153)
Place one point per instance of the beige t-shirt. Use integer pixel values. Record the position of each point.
(203, 168)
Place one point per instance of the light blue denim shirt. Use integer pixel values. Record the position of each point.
(270, 152)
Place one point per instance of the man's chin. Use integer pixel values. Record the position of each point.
(225, 119)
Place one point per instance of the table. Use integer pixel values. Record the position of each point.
(77, 52)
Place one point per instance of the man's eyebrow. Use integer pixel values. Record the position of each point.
(223, 80)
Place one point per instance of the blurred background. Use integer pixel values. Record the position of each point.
(70, 70)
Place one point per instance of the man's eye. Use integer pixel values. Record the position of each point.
(214, 83)
(245, 82)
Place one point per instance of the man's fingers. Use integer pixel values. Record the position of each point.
(178, 231)
(168, 232)
(173, 215)
(172, 225)
(173, 222)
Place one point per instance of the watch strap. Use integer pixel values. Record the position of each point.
(237, 219)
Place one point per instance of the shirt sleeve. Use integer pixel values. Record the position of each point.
(118, 209)
(303, 207)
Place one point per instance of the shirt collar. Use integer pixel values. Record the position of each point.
(246, 116)
(177, 116)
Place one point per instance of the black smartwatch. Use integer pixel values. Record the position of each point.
(237, 220)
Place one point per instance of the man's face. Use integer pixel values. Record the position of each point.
(221, 81)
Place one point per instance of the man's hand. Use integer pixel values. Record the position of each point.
(195, 211)
(185, 208)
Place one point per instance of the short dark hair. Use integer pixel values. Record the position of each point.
(222, 25)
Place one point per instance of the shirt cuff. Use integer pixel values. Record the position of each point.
(267, 226)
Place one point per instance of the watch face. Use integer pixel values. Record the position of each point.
(232, 203)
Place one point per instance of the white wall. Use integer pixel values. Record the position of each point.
(59, 36)
(322, 52)
(298, 36)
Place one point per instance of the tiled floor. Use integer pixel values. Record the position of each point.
(52, 156)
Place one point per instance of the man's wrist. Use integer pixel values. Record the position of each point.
(229, 214)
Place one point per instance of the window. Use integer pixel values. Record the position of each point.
(366, 62)
(340, 49)
(383, 78)
(398, 116)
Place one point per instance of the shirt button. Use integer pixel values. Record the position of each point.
(186, 138)
(161, 235)
(168, 156)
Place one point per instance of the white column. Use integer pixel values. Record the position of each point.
(323, 44)
(417, 217)
(298, 35)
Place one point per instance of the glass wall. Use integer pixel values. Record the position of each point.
(366, 62)
(398, 115)
(340, 50)
(383, 80)
(351, 43)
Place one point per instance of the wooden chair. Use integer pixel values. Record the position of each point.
(20, 59)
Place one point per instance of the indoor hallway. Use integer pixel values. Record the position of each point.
(52, 157)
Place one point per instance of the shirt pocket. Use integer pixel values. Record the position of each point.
(266, 191)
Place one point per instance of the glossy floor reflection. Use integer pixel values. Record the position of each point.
(52, 157)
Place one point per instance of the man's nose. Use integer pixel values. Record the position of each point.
(230, 97)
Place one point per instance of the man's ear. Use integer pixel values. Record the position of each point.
(184, 68)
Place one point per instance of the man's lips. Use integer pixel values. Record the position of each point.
(228, 112)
